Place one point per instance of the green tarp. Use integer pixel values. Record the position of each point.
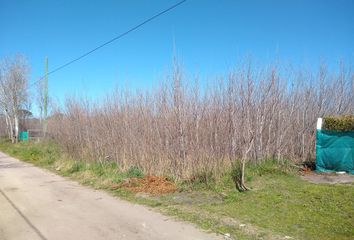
(23, 136)
(334, 151)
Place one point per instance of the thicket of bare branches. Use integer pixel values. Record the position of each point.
(187, 131)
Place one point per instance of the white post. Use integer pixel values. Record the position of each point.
(319, 124)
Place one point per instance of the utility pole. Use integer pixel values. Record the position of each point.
(45, 93)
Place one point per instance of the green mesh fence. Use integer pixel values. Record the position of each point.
(334, 151)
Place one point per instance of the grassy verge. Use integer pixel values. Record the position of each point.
(280, 203)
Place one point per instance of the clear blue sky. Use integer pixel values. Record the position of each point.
(210, 37)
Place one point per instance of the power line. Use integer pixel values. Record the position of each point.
(110, 41)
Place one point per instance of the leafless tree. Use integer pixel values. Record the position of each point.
(13, 92)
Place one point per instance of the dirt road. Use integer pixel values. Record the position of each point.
(36, 204)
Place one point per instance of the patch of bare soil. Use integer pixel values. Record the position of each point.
(149, 184)
(330, 178)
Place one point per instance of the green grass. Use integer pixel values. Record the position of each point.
(289, 206)
(280, 203)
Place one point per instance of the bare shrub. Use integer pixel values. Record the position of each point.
(184, 130)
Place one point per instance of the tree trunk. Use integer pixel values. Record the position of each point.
(7, 125)
(239, 176)
(16, 128)
(11, 129)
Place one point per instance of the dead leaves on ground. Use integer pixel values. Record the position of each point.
(148, 184)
